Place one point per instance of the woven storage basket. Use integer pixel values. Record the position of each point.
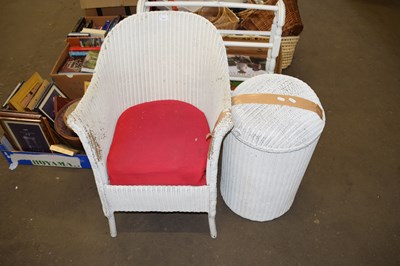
(222, 17)
(262, 20)
(267, 152)
(288, 46)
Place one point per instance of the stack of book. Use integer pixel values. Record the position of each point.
(81, 59)
(87, 27)
(85, 41)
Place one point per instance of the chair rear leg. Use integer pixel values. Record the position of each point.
(113, 227)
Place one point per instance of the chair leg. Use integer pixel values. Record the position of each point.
(213, 227)
(113, 227)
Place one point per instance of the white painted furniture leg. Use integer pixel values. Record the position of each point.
(113, 227)
(213, 227)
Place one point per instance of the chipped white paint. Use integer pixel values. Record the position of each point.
(144, 59)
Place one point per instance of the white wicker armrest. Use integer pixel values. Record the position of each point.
(223, 126)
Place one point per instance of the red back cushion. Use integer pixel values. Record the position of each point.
(159, 143)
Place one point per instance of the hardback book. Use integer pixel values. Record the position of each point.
(90, 42)
(78, 53)
(84, 41)
(113, 23)
(89, 63)
(87, 48)
(72, 65)
(64, 149)
(82, 51)
(78, 34)
(95, 32)
(19, 100)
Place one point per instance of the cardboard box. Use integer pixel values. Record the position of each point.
(71, 84)
(109, 7)
(106, 3)
(111, 11)
(15, 158)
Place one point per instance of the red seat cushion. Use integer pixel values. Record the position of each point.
(159, 143)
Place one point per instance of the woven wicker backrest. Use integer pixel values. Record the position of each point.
(156, 56)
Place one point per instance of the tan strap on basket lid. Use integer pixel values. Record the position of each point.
(279, 99)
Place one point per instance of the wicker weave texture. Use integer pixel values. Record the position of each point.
(276, 128)
(268, 151)
(262, 20)
(259, 185)
(147, 57)
(222, 17)
(158, 198)
(288, 47)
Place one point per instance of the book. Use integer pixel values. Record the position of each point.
(106, 25)
(246, 66)
(63, 149)
(72, 65)
(78, 34)
(79, 25)
(31, 105)
(78, 53)
(88, 24)
(87, 48)
(82, 51)
(84, 41)
(89, 63)
(90, 42)
(5, 104)
(95, 32)
(18, 101)
(113, 23)
(59, 103)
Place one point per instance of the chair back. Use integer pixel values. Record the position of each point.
(164, 55)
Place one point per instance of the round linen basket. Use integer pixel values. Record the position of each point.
(267, 153)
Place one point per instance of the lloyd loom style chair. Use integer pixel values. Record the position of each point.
(161, 84)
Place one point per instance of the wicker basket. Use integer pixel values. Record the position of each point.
(288, 46)
(222, 17)
(262, 20)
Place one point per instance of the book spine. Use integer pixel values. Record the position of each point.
(78, 53)
(88, 48)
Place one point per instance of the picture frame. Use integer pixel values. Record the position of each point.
(46, 104)
(27, 131)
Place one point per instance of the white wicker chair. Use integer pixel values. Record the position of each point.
(147, 57)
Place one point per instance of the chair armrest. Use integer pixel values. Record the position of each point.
(94, 123)
(222, 127)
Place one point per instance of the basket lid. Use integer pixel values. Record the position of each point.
(275, 127)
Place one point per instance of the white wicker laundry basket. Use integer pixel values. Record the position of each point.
(267, 153)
